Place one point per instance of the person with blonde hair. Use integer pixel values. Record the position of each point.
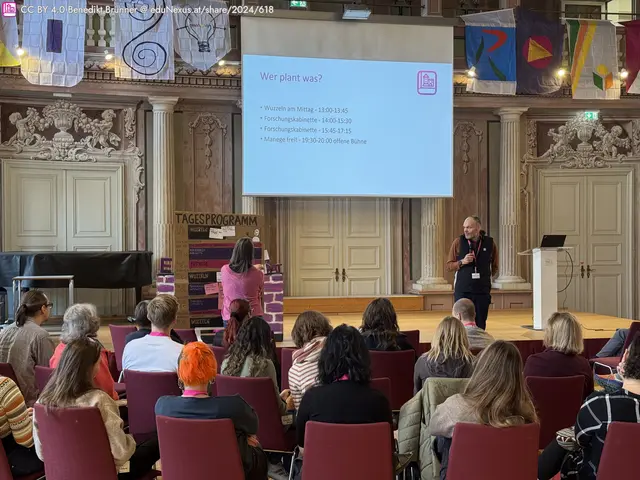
(449, 357)
(197, 370)
(155, 352)
(562, 357)
(496, 395)
(309, 334)
(81, 320)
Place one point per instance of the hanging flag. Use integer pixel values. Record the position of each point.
(201, 32)
(53, 40)
(491, 51)
(593, 56)
(539, 53)
(144, 40)
(632, 40)
(9, 41)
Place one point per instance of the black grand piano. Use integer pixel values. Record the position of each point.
(110, 270)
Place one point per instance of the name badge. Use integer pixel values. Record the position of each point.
(475, 276)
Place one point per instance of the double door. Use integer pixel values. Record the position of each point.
(59, 206)
(339, 247)
(595, 210)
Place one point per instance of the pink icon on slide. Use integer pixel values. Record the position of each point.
(427, 82)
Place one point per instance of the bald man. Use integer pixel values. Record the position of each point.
(474, 258)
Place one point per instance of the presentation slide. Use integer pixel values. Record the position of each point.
(334, 127)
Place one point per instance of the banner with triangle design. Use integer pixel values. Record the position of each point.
(539, 53)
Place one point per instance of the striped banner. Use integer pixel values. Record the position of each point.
(593, 54)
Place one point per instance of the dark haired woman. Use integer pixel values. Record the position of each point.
(380, 327)
(143, 324)
(343, 394)
(252, 355)
(599, 410)
(240, 310)
(240, 279)
(309, 334)
(72, 386)
(25, 344)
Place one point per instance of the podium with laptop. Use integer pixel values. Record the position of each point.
(545, 278)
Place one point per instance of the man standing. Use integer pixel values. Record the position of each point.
(474, 258)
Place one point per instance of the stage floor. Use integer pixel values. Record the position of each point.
(502, 324)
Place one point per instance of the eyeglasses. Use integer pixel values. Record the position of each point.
(49, 305)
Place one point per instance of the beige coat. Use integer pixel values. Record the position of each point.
(415, 415)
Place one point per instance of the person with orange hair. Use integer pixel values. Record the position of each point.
(197, 370)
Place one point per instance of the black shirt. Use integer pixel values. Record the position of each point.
(244, 418)
(342, 402)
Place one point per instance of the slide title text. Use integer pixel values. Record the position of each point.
(289, 78)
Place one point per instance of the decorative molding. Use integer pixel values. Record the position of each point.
(239, 104)
(467, 128)
(209, 123)
(130, 124)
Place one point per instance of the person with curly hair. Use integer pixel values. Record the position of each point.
(239, 311)
(253, 355)
(309, 334)
(380, 327)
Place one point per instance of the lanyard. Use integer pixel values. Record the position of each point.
(158, 334)
(475, 253)
(193, 393)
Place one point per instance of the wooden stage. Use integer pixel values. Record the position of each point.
(502, 324)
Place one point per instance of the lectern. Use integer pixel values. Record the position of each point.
(545, 283)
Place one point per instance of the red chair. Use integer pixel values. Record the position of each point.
(413, 338)
(383, 385)
(187, 335)
(5, 469)
(346, 452)
(6, 370)
(43, 374)
(219, 353)
(118, 335)
(480, 452)
(620, 457)
(613, 362)
(557, 401)
(210, 445)
(259, 393)
(143, 391)
(286, 360)
(72, 453)
(397, 367)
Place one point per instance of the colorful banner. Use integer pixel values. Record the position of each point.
(9, 41)
(491, 52)
(539, 53)
(593, 56)
(632, 40)
(53, 40)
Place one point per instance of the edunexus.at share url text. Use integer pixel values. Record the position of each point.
(143, 9)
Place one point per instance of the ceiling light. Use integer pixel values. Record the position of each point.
(561, 72)
(20, 51)
(356, 12)
(623, 73)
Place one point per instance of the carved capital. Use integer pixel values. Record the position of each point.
(163, 104)
(511, 113)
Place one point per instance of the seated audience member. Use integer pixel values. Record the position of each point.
(72, 386)
(564, 344)
(465, 311)
(251, 355)
(25, 344)
(597, 413)
(239, 311)
(144, 325)
(155, 352)
(496, 395)
(79, 321)
(449, 356)
(309, 334)
(343, 394)
(197, 370)
(16, 431)
(241, 279)
(380, 327)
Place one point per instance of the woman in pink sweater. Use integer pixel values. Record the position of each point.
(241, 280)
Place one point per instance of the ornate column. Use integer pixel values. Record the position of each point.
(252, 205)
(164, 189)
(433, 247)
(509, 208)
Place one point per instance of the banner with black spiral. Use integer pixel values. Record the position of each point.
(201, 32)
(144, 40)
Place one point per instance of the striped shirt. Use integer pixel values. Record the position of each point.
(597, 413)
(304, 369)
(14, 416)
